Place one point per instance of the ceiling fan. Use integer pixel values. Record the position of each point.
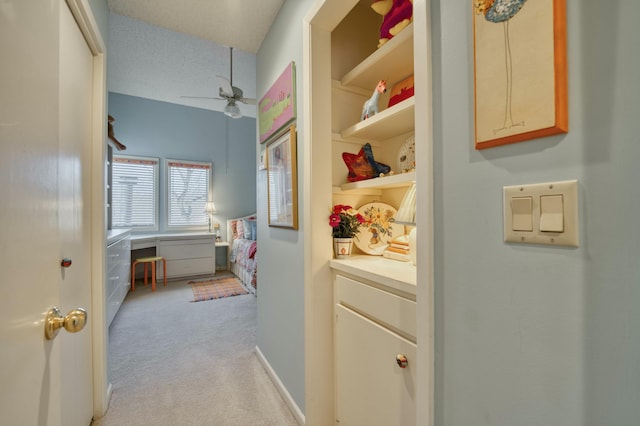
(229, 93)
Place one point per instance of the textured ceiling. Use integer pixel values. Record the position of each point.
(155, 63)
(167, 49)
(242, 24)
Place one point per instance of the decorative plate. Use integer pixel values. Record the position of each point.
(379, 229)
(407, 155)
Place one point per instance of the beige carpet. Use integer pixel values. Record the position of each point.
(172, 362)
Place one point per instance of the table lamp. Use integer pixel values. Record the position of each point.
(209, 209)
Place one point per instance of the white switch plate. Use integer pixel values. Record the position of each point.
(569, 191)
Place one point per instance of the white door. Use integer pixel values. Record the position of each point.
(74, 180)
(45, 214)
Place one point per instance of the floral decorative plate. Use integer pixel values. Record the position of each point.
(407, 155)
(379, 228)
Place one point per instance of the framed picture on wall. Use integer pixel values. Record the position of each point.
(520, 70)
(277, 108)
(282, 183)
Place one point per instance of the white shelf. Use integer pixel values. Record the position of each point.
(392, 121)
(390, 62)
(395, 181)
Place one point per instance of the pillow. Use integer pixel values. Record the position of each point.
(254, 229)
(401, 91)
(362, 165)
(252, 250)
(248, 231)
(234, 229)
(240, 228)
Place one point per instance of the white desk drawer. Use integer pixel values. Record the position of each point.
(186, 249)
(185, 267)
(392, 310)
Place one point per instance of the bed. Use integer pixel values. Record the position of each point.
(241, 233)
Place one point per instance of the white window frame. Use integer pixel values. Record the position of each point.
(169, 163)
(155, 202)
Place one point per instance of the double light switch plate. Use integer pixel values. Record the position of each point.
(542, 213)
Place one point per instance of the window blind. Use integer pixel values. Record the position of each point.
(188, 187)
(135, 193)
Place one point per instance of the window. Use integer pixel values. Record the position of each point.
(188, 189)
(134, 202)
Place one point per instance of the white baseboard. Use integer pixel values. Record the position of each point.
(295, 410)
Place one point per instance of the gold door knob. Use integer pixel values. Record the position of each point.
(73, 322)
(402, 361)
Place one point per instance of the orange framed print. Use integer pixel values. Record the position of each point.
(520, 70)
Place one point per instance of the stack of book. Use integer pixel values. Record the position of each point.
(398, 249)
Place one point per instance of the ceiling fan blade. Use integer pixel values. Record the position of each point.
(225, 85)
(203, 97)
(248, 101)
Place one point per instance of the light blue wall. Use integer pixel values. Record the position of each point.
(101, 14)
(159, 129)
(535, 335)
(280, 332)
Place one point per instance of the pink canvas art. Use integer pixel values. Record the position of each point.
(277, 108)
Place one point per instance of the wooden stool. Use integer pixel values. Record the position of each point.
(146, 261)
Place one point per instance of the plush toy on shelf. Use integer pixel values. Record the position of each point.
(397, 14)
(370, 107)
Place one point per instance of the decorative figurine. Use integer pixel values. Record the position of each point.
(371, 106)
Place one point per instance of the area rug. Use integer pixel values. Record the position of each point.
(216, 288)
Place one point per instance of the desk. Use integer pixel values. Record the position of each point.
(187, 253)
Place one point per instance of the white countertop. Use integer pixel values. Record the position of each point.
(172, 236)
(114, 235)
(388, 272)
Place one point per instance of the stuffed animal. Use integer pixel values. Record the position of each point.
(397, 14)
(370, 107)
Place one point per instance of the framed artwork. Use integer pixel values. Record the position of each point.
(520, 70)
(282, 182)
(277, 108)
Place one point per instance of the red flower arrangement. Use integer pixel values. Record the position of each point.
(345, 221)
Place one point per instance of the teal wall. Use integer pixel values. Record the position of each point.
(534, 335)
(159, 129)
(101, 14)
(280, 332)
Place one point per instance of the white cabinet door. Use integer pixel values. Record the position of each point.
(371, 387)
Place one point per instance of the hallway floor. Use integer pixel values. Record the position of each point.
(175, 362)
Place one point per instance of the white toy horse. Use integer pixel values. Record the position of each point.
(371, 106)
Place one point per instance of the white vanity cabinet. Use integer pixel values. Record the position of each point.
(118, 271)
(188, 256)
(374, 332)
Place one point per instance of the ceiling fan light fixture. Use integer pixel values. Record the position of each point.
(232, 110)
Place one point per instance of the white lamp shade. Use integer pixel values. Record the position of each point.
(407, 210)
(209, 207)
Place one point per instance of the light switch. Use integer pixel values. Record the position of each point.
(521, 211)
(541, 213)
(551, 213)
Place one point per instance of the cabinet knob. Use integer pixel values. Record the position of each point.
(66, 262)
(402, 361)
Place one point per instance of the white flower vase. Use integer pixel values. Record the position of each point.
(342, 247)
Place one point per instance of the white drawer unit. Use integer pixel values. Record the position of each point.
(187, 257)
(118, 274)
(375, 333)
